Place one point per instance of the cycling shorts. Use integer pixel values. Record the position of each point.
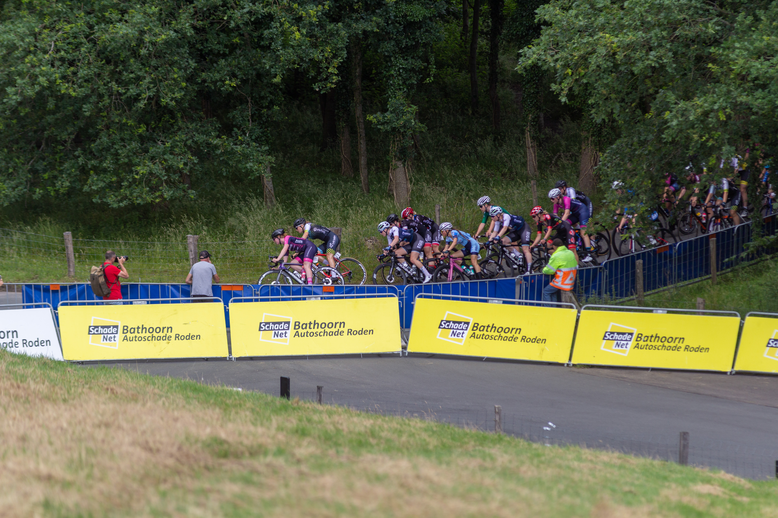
(472, 247)
(333, 241)
(432, 237)
(308, 253)
(521, 235)
(676, 187)
(567, 236)
(581, 217)
(417, 245)
(744, 175)
(734, 199)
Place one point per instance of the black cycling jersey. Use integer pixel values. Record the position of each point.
(415, 225)
(318, 232)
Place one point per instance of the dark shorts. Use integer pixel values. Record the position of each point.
(471, 248)
(581, 217)
(333, 241)
(416, 246)
(432, 237)
(744, 175)
(521, 235)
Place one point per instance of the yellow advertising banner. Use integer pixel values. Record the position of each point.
(657, 340)
(148, 331)
(492, 330)
(314, 327)
(758, 349)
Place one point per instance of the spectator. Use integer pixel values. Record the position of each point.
(563, 266)
(114, 273)
(201, 277)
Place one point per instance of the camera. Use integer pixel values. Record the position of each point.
(116, 259)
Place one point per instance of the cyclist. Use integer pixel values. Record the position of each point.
(329, 239)
(485, 204)
(575, 195)
(510, 230)
(551, 223)
(470, 246)
(304, 248)
(724, 192)
(425, 227)
(575, 212)
(408, 240)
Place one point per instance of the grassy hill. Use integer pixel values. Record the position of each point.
(108, 442)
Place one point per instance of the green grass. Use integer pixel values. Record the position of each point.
(111, 442)
(743, 290)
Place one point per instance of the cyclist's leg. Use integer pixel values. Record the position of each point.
(401, 253)
(333, 242)
(308, 254)
(744, 174)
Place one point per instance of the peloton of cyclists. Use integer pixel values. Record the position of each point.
(329, 239)
(470, 247)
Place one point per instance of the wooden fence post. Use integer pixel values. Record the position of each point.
(683, 449)
(639, 281)
(191, 245)
(713, 259)
(700, 304)
(534, 187)
(319, 391)
(497, 419)
(70, 255)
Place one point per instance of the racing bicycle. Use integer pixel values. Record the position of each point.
(283, 275)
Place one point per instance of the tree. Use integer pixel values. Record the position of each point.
(680, 79)
(129, 102)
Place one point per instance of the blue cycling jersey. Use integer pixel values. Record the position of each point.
(462, 238)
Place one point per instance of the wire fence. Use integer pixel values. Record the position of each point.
(745, 461)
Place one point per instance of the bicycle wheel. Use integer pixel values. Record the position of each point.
(327, 276)
(352, 271)
(274, 277)
(491, 269)
(601, 245)
(664, 237)
(383, 274)
(539, 264)
(441, 274)
(626, 244)
(687, 224)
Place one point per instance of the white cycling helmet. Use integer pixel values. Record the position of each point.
(445, 226)
(495, 211)
(383, 226)
(484, 200)
(617, 184)
(554, 193)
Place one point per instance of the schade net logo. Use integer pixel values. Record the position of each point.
(275, 329)
(771, 351)
(453, 328)
(618, 339)
(104, 332)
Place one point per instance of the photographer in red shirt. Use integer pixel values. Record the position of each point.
(113, 274)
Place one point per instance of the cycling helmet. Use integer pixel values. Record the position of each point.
(554, 193)
(445, 226)
(483, 200)
(495, 211)
(391, 218)
(298, 222)
(561, 184)
(536, 210)
(617, 184)
(383, 226)
(407, 213)
(277, 233)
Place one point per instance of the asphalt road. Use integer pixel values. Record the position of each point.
(732, 420)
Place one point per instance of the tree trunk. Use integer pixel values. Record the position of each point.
(267, 187)
(495, 10)
(590, 159)
(474, 58)
(329, 128)
(356, 51)
(465, 20)
(401, 186)
(532, 154)
(346, 169)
